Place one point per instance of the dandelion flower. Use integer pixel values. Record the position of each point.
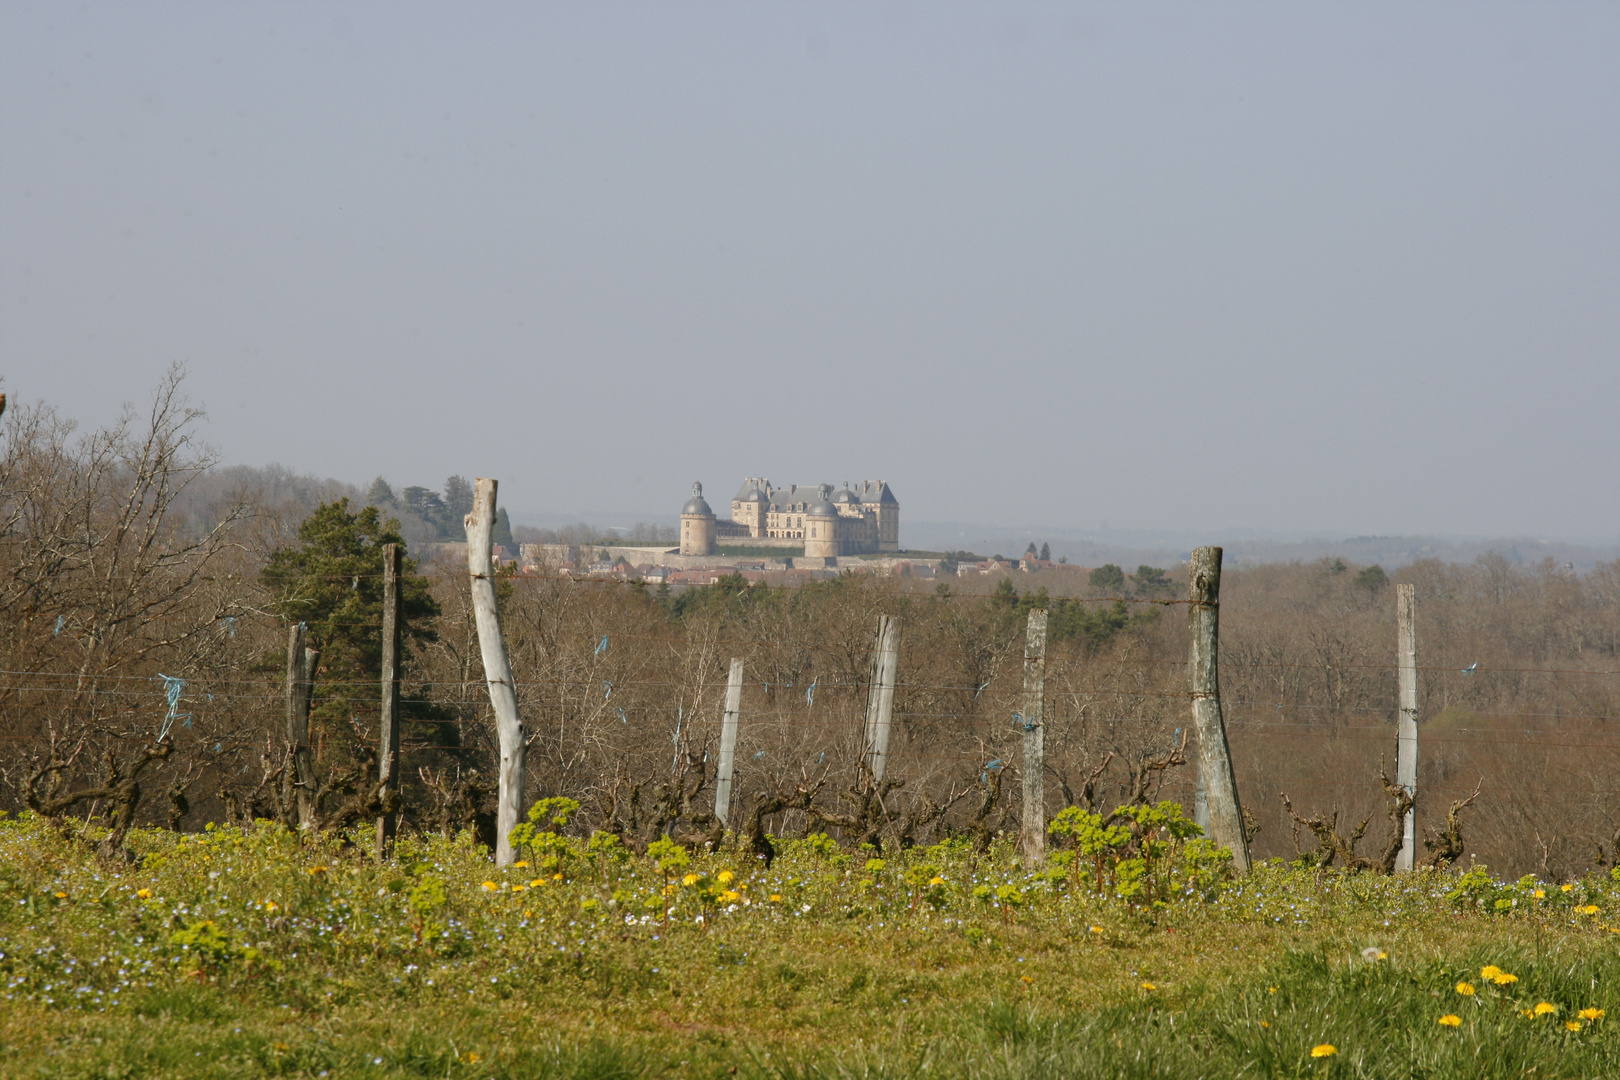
(1025, 978)
(1489, 971)
(691, 879)
(1372, 954)
(1450, 1020)
(143, 894)
(1271, 989)
(519, 888)
(490, 886)
(1590, 1014)
(1540, 894)
(776, 898)
(556, 877)
(1096, 929)
(1566, 887)
(1265, 1023)
(730, 896)
(1505, 979)
(1572, 1025)
(1149, 986)
(271, 905)
(317, 870)
(521, 863)
(936, 880)
(1545, 1008)
(1466, 989)
(1528, 1014)
(1324, 1050)
(537, 882)
(1587, 909)
(473, 1057)
(725, 877)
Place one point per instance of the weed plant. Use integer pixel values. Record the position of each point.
(259, 952)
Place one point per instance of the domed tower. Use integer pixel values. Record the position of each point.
(821, 527)
(697, 525)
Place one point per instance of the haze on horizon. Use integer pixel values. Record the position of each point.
(1344, 269)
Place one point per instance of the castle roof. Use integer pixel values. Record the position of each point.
(877, 491)
(819, 506)
(696, 504)
(845, 496)
(750, 491)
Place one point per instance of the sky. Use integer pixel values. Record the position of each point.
(1344, 268)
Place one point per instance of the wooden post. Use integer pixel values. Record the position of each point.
(1406, 734)
(880, 695)
(300, 689)
(1203, 676)
(497, 669)
(728, 743)
(388, 730)
(1032, 841)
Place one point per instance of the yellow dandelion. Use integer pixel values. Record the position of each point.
(144, 894)
(1450, 1020)
(281, 1046)
(776, 898)
(1566, 887)
(725, 877)
(490, 886)
(730, 896)
(519, 888)
(537, 882)
(520, 864)
(473, 1057)
(1528, 1014)
(1149, 986)
(1265, 1023)
(271, 905)
(1505, 979)
(1025, 978)
(936, 880)
(1572, 1025)
(1545, 1008)
(1489, 971)
(1096, 929)
(691, 879)
(1466, 989)
(61, 896)
(1587, 909)
(1590, 1014)
(317, 869)
(556, 877)
(1539, 894)
(1324, 1050)
(1271, 989)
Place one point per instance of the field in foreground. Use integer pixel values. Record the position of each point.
(241, 953)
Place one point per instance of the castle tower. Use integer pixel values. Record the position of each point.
(876, 497)
(749, 505)
(821, 527)
(697, 525)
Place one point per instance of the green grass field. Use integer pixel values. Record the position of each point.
(252, 953)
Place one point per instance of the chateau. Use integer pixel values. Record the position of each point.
(864, 520)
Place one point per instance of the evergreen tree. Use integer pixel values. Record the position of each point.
(1046, 552)
(331, 580)
(502, 533)
(1109, 577)
(458, 498)
(380, 494)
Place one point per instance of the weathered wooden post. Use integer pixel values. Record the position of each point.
(880, 695)
(1032, 841)
(728, 743)
(388, 731)
(300, 690)
(1203, 676)
(1406, 734)
(497, 669)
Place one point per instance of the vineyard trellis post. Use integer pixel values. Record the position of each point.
(300, 690)
(728, 742)
(880, 695)
(1033, 839)
(1406, 735)
(1203, 675)
(497, 668)
(388, 764)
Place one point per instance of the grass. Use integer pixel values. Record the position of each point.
(246, 953)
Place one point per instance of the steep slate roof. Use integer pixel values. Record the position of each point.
(877, 491)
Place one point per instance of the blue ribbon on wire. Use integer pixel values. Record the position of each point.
(810, 694)
(602, 646)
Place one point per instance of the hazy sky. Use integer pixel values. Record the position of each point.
(1340, 267)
